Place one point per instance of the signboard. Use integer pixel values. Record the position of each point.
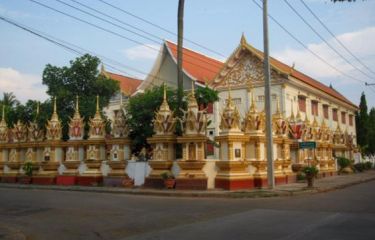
(307, 145)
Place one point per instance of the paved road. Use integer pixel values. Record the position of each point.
(40, 214)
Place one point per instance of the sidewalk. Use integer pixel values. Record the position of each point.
(321, 185)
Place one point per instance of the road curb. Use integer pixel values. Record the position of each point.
(184, 193)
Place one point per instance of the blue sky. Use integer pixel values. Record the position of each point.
(216, 24)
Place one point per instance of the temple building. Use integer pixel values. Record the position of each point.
(297, 93)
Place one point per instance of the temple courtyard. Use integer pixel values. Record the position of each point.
(347, 213)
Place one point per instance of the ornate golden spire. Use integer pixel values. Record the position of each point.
(315, 122)
(291, 110)
(103, 72)
(243, 40)
(278, 112)
(37, 108)
(76, 112)
(230, 118)
(253, 108)
(164, 107)
(3, 115)
(54, 117)
(192, 102)
(299, 113)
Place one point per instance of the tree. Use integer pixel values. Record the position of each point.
(362, 123)
(81, 78)
(9, 99)
(140, 111)
(371, 133)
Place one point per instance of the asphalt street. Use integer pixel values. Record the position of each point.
(45, 214)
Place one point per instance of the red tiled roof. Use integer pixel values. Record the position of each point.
(310, 81)
(128, 85)
(305, 79)
(199, 66)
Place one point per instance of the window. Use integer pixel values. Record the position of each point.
(343, 117)
(210, 149)
(325, 111)
(334, 114)
(302, 103)
(261, 97)
(210, 108)
(350, 120)
(314, 108)
(236, 101)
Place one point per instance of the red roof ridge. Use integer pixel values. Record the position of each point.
(128, 85)
(195, 51)
(295, 73)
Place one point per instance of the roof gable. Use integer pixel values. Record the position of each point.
(282, 68)
(128, 85)
(197, 65)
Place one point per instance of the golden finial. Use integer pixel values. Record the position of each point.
(54, 105)
(299, 113)
(103, 72)
(291, 110)
(292, 68)
(252, 105)
(97, 103)
(77, 104)
(243, 40)
(3, 116)
(192, 88)
(37, 108)
(277, 105)
(164, 92)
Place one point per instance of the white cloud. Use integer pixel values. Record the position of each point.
(24, 86)
(360, 43)
(142, 52)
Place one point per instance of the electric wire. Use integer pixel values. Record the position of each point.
(308, 49)
(325, 41)
(334, 36)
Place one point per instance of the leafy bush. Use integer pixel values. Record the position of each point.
(301, 176)
(311, 171)
(368, 165)
(166, 175)
(28, 168)
(359, 167)
(343, 162)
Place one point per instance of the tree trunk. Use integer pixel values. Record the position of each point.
(180, 24)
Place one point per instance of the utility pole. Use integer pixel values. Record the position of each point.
(180, 36)
(267, 89)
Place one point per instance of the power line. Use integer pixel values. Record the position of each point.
(63, 44)
(112, 32)
(322, 38)
(159, 27)
(308, 49)
(124, 23)
(104, 20)
(334, 36)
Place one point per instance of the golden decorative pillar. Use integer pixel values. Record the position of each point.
(233, 170)
(35, 136)
(52, 153)
(3, 143)
(162, 142)
(193, 140)
(120, 152)
(95, 150)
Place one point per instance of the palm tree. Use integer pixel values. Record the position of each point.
(9, 99)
